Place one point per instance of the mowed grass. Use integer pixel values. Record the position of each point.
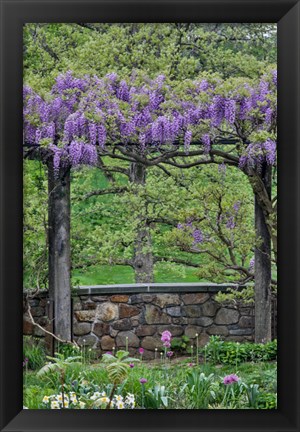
(111, 275)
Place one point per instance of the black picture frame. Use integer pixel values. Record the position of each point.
(14, 13)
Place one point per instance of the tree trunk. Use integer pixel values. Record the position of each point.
(142, 254)
(59, 250)
(263, 305)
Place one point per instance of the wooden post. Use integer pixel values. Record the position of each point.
(59, 249)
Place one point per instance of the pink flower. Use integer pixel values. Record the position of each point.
(190, 364)
(141, 350)
(166, 336)
(131, 365)
(143, 380)
(230, 379)
(170, 353)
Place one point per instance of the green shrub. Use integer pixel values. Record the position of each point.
(34, 351)
(180, 344)
(233, 353)
(267, 401)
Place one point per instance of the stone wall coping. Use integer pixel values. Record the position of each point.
(155, 288)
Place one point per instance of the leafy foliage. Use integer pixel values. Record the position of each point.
(232, 353)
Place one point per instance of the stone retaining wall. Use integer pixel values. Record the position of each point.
(104, 317)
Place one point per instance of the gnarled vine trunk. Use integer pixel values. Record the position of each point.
(263, 304)
(59, 250)
(142, 254)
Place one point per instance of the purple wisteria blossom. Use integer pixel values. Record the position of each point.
(81, 116)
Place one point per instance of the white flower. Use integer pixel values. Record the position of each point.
(66, 404)
(104, 399)
(103, 394)
(120, 405)
(119, 398)
(81, 404)
(54, 405)
(95, 396)
(46, 399)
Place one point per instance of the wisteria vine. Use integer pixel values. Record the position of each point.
(82, 116)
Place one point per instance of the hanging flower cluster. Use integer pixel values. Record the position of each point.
(82, 115)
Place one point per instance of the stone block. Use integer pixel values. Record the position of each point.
(195, 298)
(203, 339)
(87, 341)
(133, 340)
(107, 312)
(148, 355)
(136, 298)
(88, 305)
(173, 329)
(81, 328)
(202, 321)
(163, 300)
(119, 298)
(180, 320)
(147, 298)
(209, 308)
(113, 333)
(191, 331)
(246, 321)
(153, 315)
(227, 316)
(126, 311)
(124, 324)
(88, 315)
(150, 343)
(193, 311)
(217, 330)
(107, 343)
(145, 330)
(77, 306)
(241, 332)
(174, 311)
(101, 298)
(101, 329)
(135, 321)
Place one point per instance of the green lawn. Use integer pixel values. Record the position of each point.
(110, 275)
